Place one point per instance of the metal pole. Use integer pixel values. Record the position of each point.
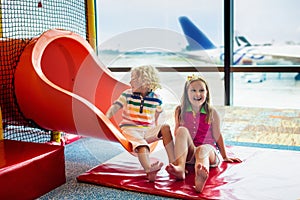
(91, 23)
(1, 31)
(228, 49)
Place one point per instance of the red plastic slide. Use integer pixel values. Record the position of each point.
(61, 85)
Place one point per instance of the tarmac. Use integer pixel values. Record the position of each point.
(276, 90)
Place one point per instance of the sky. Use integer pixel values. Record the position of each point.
(261, 21)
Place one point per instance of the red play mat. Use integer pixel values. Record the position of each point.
(263, 174)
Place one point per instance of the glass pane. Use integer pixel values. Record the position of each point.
(267, 36)
(267, 32)
(132, 33)
(269, 90)
(118, 17)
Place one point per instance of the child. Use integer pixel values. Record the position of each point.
(197, 133)
(141, 109)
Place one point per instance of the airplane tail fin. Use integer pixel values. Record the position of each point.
(242, 41)
(196, 39)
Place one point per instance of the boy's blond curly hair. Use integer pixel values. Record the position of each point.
(148, 76)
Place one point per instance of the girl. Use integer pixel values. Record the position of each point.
(197, 133)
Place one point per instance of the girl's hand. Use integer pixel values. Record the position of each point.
(231, 160)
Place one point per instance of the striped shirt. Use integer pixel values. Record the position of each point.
(139, 111)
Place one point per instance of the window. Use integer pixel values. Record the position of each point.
(151, 32)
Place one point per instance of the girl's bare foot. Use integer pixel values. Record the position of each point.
(155, 167)
(201, 176)
(176, 171)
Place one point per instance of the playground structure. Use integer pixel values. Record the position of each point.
(51, 81)
(24, 159)
(74, 99)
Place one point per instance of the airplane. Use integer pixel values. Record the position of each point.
(201, 47)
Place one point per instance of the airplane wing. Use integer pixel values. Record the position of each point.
(286, 52)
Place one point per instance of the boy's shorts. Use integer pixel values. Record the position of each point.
(141, 136)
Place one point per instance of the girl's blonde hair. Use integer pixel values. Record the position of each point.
(185, 102)
(148, 76)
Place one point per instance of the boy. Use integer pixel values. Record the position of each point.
(141, 109)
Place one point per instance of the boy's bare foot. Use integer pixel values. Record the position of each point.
(155, 167)
(201, 175)
(176, 171)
